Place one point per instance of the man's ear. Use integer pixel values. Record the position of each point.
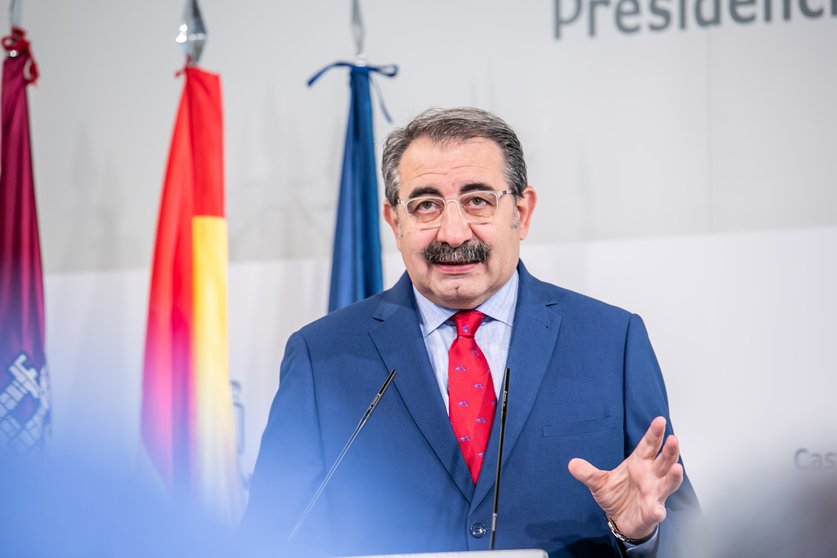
(525, 207)
(391, 217)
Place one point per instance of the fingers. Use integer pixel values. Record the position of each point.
(652, 439)
(586, 473)
(667, 457)
(671, 482)
(658, 514)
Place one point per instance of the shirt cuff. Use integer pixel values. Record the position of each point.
(646, 549)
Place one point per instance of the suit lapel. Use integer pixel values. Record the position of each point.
(401, 346)
(532, 343)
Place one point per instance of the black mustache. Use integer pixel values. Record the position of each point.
(444, 253)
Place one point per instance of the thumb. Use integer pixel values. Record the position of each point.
(585, 473)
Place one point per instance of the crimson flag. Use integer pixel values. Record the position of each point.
(24, 382)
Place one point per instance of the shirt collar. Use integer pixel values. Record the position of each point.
(500, 306)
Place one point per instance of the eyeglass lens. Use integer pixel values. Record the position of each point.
(475, 207)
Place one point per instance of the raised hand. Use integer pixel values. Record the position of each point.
(633, 495)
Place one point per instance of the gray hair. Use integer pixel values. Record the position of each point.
(443, 126)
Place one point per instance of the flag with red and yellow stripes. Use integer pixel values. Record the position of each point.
(187, 414)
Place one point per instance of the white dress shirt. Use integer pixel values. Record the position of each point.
(493, 336)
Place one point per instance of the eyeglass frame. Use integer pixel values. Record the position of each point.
(498, 194)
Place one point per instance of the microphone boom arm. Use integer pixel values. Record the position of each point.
(502, 437)
(343, 452)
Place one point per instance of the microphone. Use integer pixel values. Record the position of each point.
(495, 507)
(343, 452)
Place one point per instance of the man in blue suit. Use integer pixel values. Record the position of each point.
(585, 386)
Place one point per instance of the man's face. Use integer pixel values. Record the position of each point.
(427, 168)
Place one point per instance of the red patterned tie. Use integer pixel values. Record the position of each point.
(470, 391)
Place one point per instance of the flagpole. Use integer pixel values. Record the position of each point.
(15, 13)
(191, 35)
(358, 33)
(356, 269)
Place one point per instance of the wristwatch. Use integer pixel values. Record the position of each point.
(618, 534)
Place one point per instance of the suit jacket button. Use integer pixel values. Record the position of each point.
(478, 530)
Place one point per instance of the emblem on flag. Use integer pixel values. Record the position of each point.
(24, 406)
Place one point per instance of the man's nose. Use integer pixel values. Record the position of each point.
(453, 229)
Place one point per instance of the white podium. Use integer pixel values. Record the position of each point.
(522, 553)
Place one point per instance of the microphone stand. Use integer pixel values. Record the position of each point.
(343, 452)
(495, 507)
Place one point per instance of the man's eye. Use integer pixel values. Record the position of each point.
(425, 206)
(477, 201)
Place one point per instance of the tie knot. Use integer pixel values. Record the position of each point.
(467, 322)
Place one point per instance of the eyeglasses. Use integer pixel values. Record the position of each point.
(476, 207)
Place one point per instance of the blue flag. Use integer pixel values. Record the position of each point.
(356, 271)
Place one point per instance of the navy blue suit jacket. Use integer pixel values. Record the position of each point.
(584, 383)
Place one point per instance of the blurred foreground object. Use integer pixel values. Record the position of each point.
(789, 517)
